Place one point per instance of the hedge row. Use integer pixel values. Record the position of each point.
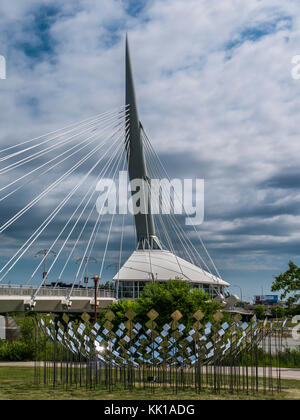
(16, 351)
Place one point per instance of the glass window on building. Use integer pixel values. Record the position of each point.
(126, 289)
(206, 289)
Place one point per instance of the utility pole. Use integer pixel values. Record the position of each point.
(45, 253)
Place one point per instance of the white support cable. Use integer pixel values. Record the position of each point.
(94, 138)
(147, 230)
(202, 244)
(188, 240)
(163, 199)
(54, 244)
(100, 214)
(47, 220)
(85, 144)
(62, 247)
(172, 219)
(120, 257)
(60, 129)
(55, 146)
(121, 242)
(183, 237)
(166, 231)
(109, 232)
(168, 236)
(79, 236)
(127, 156)
(90, 125)
(87, 247)
(189, 247)
(65, 226)
(48, 189)
(83, 228)
(40, 230)
(147, 139)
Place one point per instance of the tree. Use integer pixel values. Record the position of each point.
(260, 311)
(165, 298)
(277, 311)
(293, 311)
(119, 309)
(288, 283)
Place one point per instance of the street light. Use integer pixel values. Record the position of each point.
(86, 275)
(45, 253)
(96, 280)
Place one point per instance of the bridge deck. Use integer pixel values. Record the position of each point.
(49, 299)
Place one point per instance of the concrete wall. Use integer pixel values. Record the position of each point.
(9, 329)
(12, 330)
(2, 328)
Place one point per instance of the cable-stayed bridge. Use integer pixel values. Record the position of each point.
(52, 196)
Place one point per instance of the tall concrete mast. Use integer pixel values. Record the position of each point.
(136, 164)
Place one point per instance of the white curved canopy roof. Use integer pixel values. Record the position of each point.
(165, 266)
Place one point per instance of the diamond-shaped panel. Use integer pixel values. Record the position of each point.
(198, 315)
(218, 316)
(109, 315)
(108, 325)
(130, 314)
(197, 325)
(65, 318)
(151, 324)
(176, 315)
(152, 314)
(85, 317)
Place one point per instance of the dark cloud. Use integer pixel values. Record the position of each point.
(286, 178)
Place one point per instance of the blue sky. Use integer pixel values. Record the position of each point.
(216, 98)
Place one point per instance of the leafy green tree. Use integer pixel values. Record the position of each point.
(288, 283)
(278, 311)
(120, 308)
(165, 298)
(294, 310)
(26, 325)
(260, 311)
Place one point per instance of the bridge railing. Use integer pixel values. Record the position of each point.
(7, 290)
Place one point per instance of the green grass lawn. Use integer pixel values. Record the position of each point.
(17, 383)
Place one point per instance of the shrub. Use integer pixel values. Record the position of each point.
(260, 311)
(278, 311)
(15, 351)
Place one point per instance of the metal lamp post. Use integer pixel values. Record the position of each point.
(86, 260)
(96, 280)
(45, 253)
